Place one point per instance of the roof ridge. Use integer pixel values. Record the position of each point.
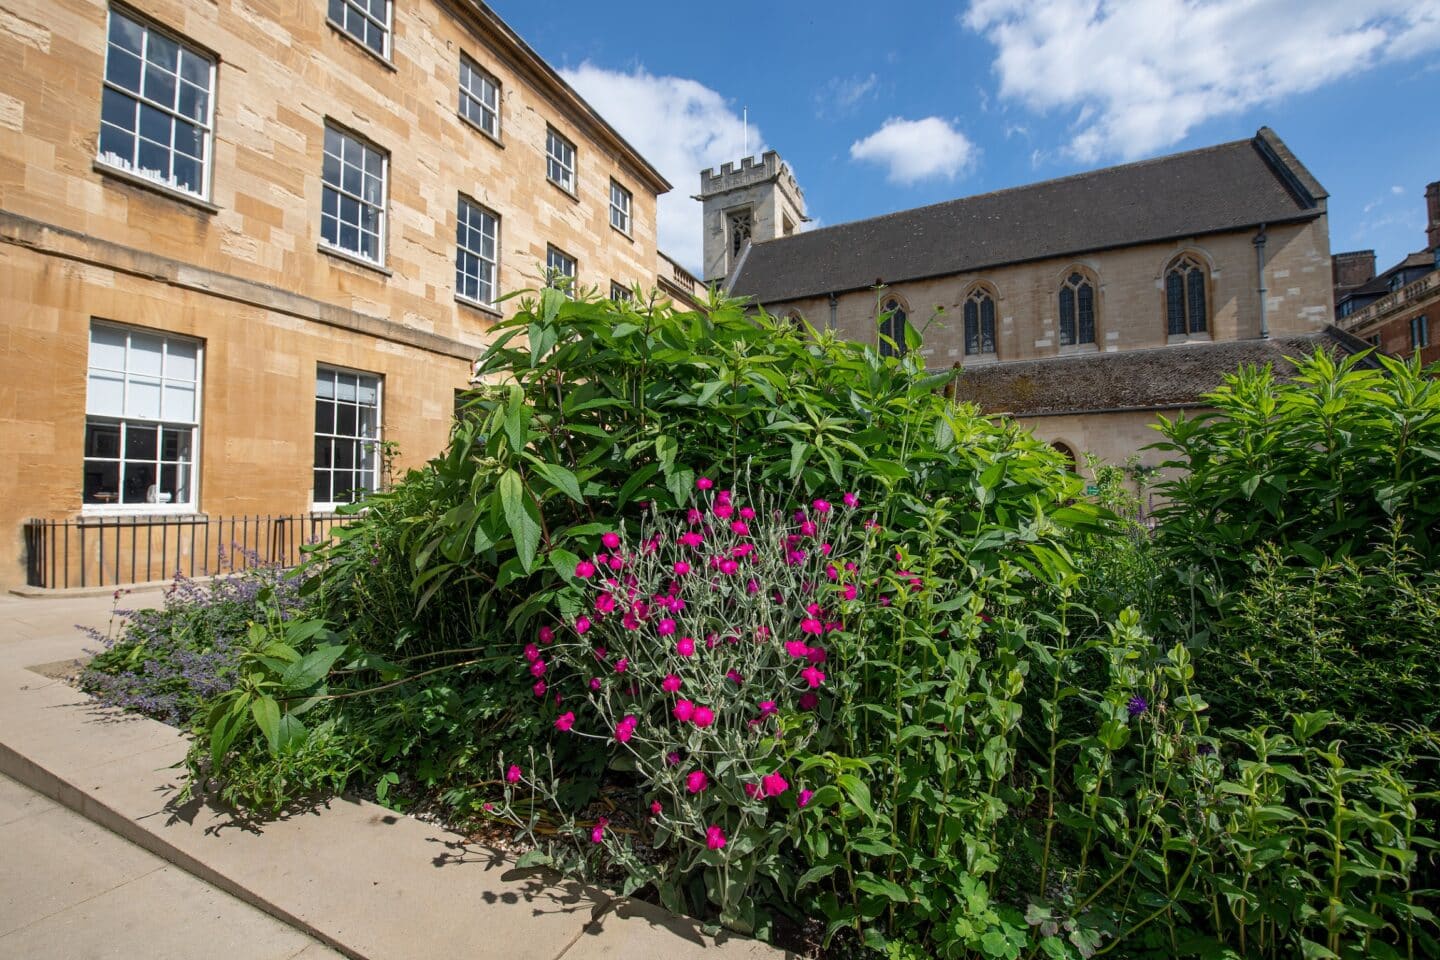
(1193, 345)
(1018, 187)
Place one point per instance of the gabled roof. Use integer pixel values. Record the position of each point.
(1160, 378)
(1231, 186)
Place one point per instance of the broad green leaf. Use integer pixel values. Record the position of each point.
(521, 516)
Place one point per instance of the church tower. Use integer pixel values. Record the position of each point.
(755, 201)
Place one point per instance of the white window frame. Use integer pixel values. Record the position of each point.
(326, 187)
(553, 270)
(359, 9)
(461, 249)
(471, 98)
(131, 167)
(329, 506)
(146, 508)
(559, 161)
(621, 293)
(622, 209)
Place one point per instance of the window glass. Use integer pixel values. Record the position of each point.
(352, 203)
(479, 97)
(347, 436)
(368, 21)
(619, 207)
(560, 160)
(476, 244)
(155, 107)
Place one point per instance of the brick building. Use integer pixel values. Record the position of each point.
(1397, 311)
(1083, 306)
(242, 245)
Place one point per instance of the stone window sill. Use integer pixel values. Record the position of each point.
(384, 61)
(572, 194)
(135, 180)
(488, 309)
(349, 257)
(493, 138)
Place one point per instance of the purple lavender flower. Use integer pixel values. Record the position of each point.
(1137, 706)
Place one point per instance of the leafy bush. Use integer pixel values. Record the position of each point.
(168, 663)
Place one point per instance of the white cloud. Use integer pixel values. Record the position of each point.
(1140, 74)
(1397, 190)
(679, 125)
(915, 150)
(842, 94)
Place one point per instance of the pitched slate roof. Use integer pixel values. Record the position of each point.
(1157, 378)
(1226, 187)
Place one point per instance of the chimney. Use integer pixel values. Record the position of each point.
(1432, 207)
(1353, 268)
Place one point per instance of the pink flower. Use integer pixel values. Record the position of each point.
(734, 677)
(808, 528)
(815, 655)
(850, 593)
(714, 837)
(565, 721)
(724, 511)
(691, 539)
(851, 500)
(547, 635)
(685, 646)
(704, 483)
(747, 513)
(825, 549)
(611, 540)
(772, 785)
(584, 569)
(487, 807)
(831, 573)
(617, 562)
(594, 683)
(796, 648)
(513, 774)
(810, 625)
(752, 586)
(681, 568)
(740, 528)
(630, 621)
(821, 506)
(704, 716)
(655, 808)
(537, 669)
(693, 515)
(741, 550)
(665, 627)
(625, 729)
(671, 683)
(672, 758)
(813, 676)
(582, 625)
(722, 496)
(539, 688)
(597, 833)
(605, 603)
(751, 790)
(809, 701)
(794, 557)
(729, 567)
(768, 707)
(696, 781)
(532, 652)
(684, 710)
(622, 665)
(805, 795)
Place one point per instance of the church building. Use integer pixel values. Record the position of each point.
(1082, 307)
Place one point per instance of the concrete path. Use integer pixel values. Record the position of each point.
(72, 890)
(352, 875)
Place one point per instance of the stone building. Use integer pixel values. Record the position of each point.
(1397, 311)
(244, 245)
(1081, 306)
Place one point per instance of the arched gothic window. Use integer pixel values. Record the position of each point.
(796, 320)
(1065, 451)
(979, 323)
(1186, 308)
(1077, 310)
(892, 328)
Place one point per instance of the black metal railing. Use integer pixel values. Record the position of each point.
(114, 551)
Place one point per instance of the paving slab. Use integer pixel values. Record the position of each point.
(353, 875)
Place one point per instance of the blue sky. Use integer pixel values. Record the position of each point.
(883, 106)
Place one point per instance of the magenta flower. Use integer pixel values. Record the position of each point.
(851, 500)
(704, 483)
(813, 676)
(691, 539)
(655, 808)
(611, 540)
(734, 677)
(805, 795)
(796, 649)
(685, 646)
(605, 603)
(539, 688)
(742, 550)
(808, 528)
(625, 729)
(594, 683)
(684, 711)
(751, 790)
(622, 665)
(681, 568)
(740, 528)
(724, 511)
(810, 625)
(768, 707)
(729, 567)
(772, 785)
(665, 627)
(584, 569)
(714, 837)
(696, 781)
(808, 701)
(704, 716)
(597, 832)
(582, 625)
(537, 669)
(821, 506)
(513, 774)
(565, 721)
(617, 562)
(850, 592)
(532, 652)
(831, 573)
(547, 635)
(672, 758)
(671, 683)
(694, 516)
(630, 621)
(747, 513)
